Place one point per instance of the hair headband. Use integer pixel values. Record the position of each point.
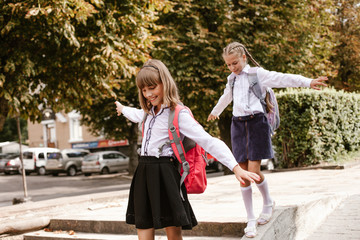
(150, 66)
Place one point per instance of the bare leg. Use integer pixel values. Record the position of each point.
(255, 167)
(173, 233)
(146, 234)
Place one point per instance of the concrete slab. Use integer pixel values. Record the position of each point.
(303, 199)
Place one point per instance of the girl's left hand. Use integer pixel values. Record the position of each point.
(242, 174)
(318, 82)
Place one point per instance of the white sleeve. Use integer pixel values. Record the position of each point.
(190, 128)
(133, 114)
(224, 101)
(274, 79)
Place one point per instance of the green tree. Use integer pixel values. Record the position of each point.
(286, 36)
(133, 21)
(346, 55)
(68, 54)
(190, 45)
(10, 131)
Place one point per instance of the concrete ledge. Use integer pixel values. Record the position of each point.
(335, 166)
(298, 222)
(16, 226)
(36, 215)
(288, 222)
(210, 229)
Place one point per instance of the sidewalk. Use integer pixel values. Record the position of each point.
(304, 198)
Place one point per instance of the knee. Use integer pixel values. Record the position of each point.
(174, 233)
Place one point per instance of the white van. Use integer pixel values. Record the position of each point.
(35, 159)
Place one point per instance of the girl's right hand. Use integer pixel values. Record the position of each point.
(119, 108)
(212, 117)
(242, 174)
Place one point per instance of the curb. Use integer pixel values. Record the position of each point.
(288, 222)
(323, 166)
(298, 222)
(22, 217)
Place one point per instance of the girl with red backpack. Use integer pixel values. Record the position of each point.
(250, 130)
(155, 201)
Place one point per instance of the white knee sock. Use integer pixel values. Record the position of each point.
(247, 198)
(267, 201)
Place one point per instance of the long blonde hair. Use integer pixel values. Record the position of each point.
(152, 73)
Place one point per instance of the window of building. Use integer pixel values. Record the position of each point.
(75, 127)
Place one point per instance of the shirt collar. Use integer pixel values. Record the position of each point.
(163, 106)
(245, 70)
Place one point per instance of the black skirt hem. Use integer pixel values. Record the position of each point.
(154, 199)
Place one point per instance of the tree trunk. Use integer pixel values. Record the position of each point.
(4, 110)
(225, 135)
(133, 144)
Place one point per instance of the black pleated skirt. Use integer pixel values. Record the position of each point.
(154, 199)
(251, 138)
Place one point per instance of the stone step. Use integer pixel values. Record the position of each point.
(66, 235)
(209, 229)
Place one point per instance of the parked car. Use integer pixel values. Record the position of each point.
(104, 162)
(9, 163)
(214, 164)
(69, 162)
(269, 164)
(34, 159)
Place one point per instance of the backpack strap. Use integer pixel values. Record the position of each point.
(177, 144)
(174, 134)
(255, 87)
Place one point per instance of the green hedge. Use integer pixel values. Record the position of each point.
(316, 126)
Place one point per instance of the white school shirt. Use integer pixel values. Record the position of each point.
(266, 78)
(188, 126)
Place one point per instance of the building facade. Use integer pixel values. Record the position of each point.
(63, 131)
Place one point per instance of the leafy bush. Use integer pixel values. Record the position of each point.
(316, 126)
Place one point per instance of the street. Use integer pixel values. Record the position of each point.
(50, 187)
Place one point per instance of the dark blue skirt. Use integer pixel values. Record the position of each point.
(154, 199)
(251, 138)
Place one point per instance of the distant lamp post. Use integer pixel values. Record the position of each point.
(48, 114)
(48, 122)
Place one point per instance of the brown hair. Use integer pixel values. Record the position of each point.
(152, 73)
(239, 49)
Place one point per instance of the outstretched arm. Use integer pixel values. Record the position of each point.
(119, 108)
(133, 114)
(315, 83)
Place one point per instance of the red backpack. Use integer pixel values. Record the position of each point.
(191, 156)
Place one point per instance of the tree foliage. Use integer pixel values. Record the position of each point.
(72, 54)
(346, 57)
(10, 131)
(286, 36)
(190, 45)
(65, 54)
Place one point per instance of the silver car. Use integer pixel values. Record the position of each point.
(9, 163)
(68, 162)
(104, 162)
